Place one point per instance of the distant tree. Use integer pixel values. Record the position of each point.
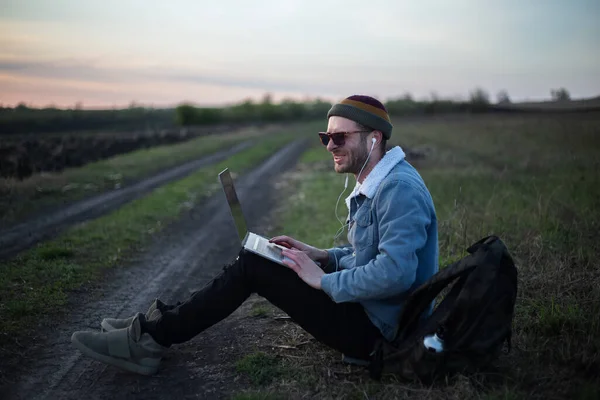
(267, 110)
(403, 105)
(208, 115)
(51, 107)
(267, 99)
(479, 96)
(502, 97)
(561, 94)
(291, 109)
(318, 107)
(479, 100)
(185, 114)
(244, 111)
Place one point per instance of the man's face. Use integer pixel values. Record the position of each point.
(350, 157)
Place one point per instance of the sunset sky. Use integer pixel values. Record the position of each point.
(112, 52)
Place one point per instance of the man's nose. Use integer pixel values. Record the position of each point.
(331, 146)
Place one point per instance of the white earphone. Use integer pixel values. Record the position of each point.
(341, 230)
(373, 141)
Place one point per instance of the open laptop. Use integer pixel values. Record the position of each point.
(250, 241)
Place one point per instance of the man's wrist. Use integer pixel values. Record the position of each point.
(323, 257)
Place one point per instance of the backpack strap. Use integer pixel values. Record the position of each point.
(425, 294)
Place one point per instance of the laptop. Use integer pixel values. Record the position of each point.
(250, 241)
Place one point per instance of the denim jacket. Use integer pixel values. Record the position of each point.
(393, 243)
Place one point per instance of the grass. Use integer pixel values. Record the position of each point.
(22, 198)
(260, 311)
(260, 367)
(534, 182)
(38, 281)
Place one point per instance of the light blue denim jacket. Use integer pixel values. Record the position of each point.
(394, 243)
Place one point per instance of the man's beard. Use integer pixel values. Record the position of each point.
(356, 160)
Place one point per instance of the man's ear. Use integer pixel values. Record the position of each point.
(378, 136)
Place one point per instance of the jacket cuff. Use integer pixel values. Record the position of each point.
(327, 281)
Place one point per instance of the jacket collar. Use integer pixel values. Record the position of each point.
(369, 186)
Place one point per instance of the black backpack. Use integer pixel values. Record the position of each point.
(474, 319)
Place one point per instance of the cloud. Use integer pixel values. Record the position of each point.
(40, 84)
(82, 71)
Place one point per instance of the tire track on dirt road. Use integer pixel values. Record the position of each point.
(182, 259)
(44, 227)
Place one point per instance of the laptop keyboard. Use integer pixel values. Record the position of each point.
(267, 248)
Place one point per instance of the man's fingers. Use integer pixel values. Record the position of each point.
(284, 238)
(296, 255)
(292, 265)
(290, 252)
(284, 241)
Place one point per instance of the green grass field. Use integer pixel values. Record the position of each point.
(532, 181)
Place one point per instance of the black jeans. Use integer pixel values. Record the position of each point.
(341, 326)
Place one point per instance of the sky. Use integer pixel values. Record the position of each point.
(111, 53)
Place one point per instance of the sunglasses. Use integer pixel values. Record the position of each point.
(339, 138)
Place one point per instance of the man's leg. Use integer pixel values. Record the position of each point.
(344, 326)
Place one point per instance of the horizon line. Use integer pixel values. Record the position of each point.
(80, 105)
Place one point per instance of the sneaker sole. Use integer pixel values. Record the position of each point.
(106, 327)
(118, 362)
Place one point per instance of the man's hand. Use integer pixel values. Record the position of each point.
(312, 252)
(306, 269)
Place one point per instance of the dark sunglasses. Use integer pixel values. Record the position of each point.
(339, 138)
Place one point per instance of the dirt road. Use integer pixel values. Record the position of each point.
(43, 227)
(183, 259)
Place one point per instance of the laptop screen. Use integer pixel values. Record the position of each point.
(234, 204)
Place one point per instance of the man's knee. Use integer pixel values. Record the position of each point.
(246, 265)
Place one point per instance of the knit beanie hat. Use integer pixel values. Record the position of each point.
(366, 111)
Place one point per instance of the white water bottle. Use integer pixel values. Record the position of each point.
(434, 343)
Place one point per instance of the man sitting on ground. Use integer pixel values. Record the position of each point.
(346, 297)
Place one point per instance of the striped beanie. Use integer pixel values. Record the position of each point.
(366, 111)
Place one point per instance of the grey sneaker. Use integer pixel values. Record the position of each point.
(125, 348)
(110, 324)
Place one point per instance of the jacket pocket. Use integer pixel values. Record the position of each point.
(364, 235)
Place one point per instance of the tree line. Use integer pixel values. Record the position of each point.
(24, 119)
(250, 111)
